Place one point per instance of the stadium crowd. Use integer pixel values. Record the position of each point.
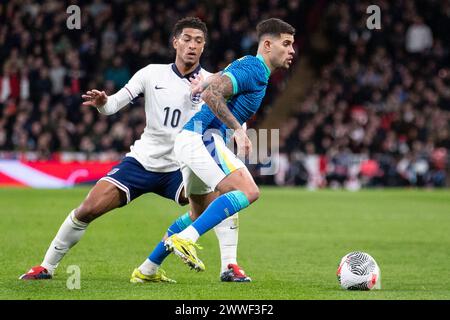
(378, 114)
(45, 67)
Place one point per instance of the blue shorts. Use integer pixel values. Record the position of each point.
(132, 178)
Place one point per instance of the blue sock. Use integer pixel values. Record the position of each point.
(221, 208)
(159, 253)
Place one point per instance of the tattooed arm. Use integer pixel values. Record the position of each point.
(215, 96)
(215, 90)
(199, 83)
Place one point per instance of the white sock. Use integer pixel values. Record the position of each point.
(148, 267)
(227, 233)
(68, 235)
(189, 233)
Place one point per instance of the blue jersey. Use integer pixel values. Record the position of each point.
(250, 76)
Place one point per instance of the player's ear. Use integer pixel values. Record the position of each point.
(267, 45)
(174, 43)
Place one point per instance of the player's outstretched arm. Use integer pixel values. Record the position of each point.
(215, 96)
(106, 104)
(111, 104)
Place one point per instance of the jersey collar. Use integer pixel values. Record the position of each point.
(260, 57)
(187, 76)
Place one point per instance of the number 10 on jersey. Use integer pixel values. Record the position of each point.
(172, 118)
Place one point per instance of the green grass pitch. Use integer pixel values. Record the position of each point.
(290, 243)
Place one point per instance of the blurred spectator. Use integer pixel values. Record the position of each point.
(57, 75)
(118, 74)
(418, 36)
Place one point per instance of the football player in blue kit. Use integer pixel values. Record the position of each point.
(208, 166)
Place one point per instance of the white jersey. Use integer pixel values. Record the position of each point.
(168, 106)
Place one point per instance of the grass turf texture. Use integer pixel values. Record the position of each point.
(291, 242)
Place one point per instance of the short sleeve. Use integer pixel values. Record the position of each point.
(245, 74)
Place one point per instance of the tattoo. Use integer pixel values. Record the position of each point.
(215, 97)
(210, 79)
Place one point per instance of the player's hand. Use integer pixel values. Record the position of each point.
(244, 145)
(95, 98)
(197, 84)
(244, 127)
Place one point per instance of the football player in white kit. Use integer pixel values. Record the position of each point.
(150, 166)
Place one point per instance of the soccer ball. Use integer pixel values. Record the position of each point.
(359, 271)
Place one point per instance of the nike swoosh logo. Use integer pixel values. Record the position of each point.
(232, 228)
(56, 248)
(157, 88)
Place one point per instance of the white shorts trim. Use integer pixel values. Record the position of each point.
(177, 195)
(118, 185)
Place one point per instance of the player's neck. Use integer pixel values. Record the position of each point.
(185, 69)
(266, 61)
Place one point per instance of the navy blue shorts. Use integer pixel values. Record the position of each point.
(132, 178)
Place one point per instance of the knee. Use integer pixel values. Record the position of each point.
(102, 198)
(252, 193)
(87, 211)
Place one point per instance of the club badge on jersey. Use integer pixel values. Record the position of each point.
(196, 100)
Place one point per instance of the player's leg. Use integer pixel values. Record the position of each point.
(117, 188)
(171, 183)
(211, 163)
(227, 233)
(170, 187)
(215, 166)
(237, 191)
(149, 270)
(103, 197)
(227, 204)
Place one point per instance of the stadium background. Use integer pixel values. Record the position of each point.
(359, 108)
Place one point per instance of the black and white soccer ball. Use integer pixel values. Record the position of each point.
(359, 271)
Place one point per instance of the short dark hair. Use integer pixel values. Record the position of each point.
(274, 27)
(189, 22)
